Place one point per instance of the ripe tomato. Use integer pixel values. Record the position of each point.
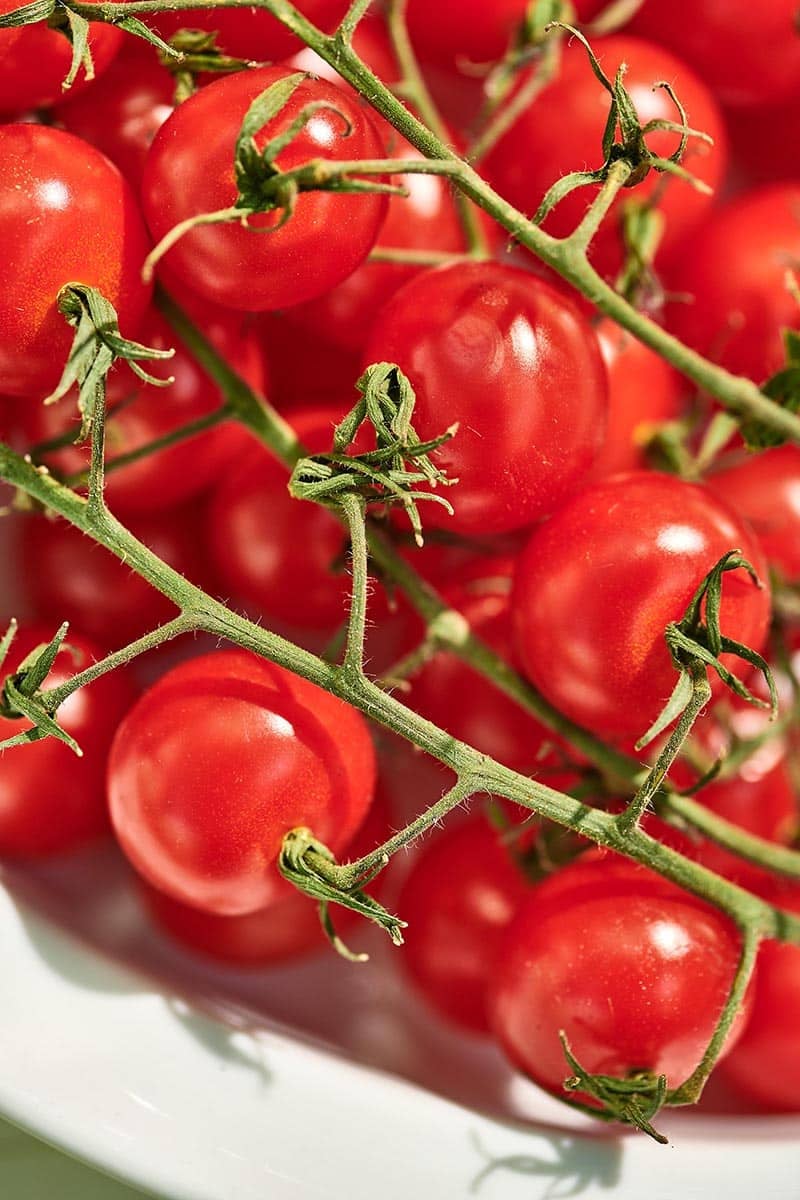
(518, 367)
(35, 60)
(66, 216)
(734, 270)
(69, 577)
(562, 131)
(123, 111)
(459, 899)
(452, 31)
(632, 969)
(139, 414)
(764, 1067)
(740, 66)
(222, 758)
(51, 800)
(250, 33)
(600, 581)
(765, 490)
(287, 928)
(254, 269)
(643, 391)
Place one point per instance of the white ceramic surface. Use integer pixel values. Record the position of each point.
(203, 1085)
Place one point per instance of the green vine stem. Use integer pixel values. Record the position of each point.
(736, 393)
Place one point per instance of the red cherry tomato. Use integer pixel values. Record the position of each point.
(254, 269)
(140, 414)
(66, 216)
(765, 490)
(50, 800)
(459, 899)
(643, 391)
(633, 970)
(734, 271)
(451, 31)
(299, 379)
(35, 61)
(124, 110)
(68, 576)
(250, 33)
(287, 928)
(601, 580)
(764, 1067)
(562, 131)
(742, 66)
(518, 367)
(218, 761)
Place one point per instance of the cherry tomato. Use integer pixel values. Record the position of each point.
(740, 66)
(50, 800)
(632, 969)
(765, 1065)
(250, 33)
(222, 758)
(518, 367)
(302, 379)
(562, 131)
(459, 899)
(123, 111)
(450, 31)
(765, 490)
(68, 576)
(601, 580)
(140, 414)
(66, 216)
(643, 391)
(287, 928)
(35, 61)
(254, 269)
(734, 271)
(762, 142)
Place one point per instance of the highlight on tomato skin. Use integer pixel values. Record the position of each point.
(634, 970)
(52, 801)
(606, 664)
(203, 817)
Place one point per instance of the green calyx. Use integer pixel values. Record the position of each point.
(389, 474)
(632, 148)
(633, 1100)
(20, 696)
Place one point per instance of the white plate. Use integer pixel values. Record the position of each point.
(198, 1084)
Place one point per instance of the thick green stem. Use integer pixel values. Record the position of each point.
(353, 508)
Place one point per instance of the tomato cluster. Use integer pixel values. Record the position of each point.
(587, 507)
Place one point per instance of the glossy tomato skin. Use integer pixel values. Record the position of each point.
(217, 762)
(633, 970)
(734, 270)
(717, 39)
(250, 33)
(251, 269)
(562, 131)
(765, 489)
(68, 576)
(644, 391)
(35, 60)
(124, 110)
(459, 899)
(518, 367)
(288, 928)
(764, 1067)
(51, 801)
(600, 581)
(66, 216)
(145, 413)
